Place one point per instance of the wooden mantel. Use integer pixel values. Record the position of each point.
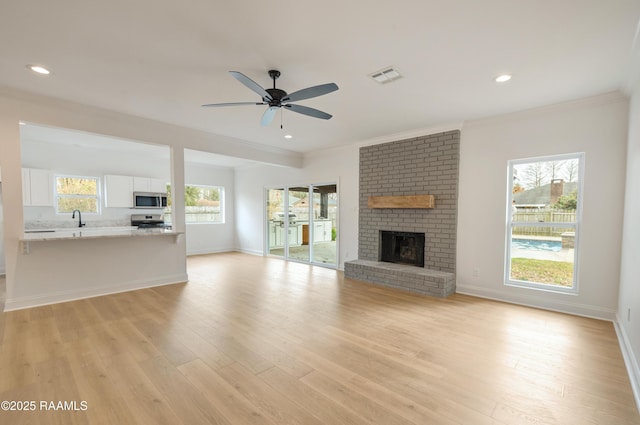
(406, 201)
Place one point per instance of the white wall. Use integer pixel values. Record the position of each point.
(596, 126)
(98, 266)
(628, 318)
(205, 238)
(335, 165)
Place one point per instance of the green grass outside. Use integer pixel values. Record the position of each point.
(542, 271)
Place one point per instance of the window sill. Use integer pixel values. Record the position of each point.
(542, 287)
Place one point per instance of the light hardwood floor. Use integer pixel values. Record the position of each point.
(253, 340)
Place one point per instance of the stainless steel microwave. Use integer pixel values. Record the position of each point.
(149, 200)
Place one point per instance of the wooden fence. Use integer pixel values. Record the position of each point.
(546, 215)
(200, 214)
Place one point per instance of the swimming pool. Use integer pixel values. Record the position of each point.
(536, 244)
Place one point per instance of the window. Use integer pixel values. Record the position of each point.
(543, 221)
(77, 193)
(203, 204)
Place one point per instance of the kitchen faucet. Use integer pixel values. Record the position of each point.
(73, 215)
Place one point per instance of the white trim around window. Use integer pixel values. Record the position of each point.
(542, 234)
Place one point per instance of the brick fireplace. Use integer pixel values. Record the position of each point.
(417, 166)
(402, 247)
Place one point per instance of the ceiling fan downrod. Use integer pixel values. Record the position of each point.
(276, 94)
(274, 74)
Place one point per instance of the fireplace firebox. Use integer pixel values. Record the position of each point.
(402, 247)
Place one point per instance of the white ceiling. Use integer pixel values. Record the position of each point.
(162, 59)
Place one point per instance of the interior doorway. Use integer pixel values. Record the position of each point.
(302, 223)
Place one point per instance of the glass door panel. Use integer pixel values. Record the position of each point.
(298, 231)
(324, 224)
(276, 224)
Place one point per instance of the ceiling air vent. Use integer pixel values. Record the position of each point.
(385, 75)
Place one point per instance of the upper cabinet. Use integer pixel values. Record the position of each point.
(37, 187)
(118, 191)
(145, 184)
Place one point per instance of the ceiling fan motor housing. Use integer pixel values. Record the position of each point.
(276, 95)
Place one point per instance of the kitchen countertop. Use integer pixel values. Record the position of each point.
(32, 235)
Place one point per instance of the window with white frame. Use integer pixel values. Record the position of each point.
(77, 193)
(543, 222)
(203, 204)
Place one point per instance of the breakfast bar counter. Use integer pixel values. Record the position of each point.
(40, 235)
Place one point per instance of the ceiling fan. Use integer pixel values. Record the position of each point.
(277, 98)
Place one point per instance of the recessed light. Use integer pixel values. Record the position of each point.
(503, 78)
(288, 136)
(39, 69)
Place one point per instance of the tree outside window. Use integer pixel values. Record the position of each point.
(77, 193)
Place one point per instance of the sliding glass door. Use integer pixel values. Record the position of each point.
(276, 221)
(302, 223)
(298, 215)
(324, 224)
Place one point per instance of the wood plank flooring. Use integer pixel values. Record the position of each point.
(253, 340)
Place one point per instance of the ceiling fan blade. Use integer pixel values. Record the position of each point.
(251, 84)
(305, 110)
(233, 104)
(268, 115)
(310, 92)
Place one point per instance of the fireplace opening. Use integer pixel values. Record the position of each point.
(402, 247)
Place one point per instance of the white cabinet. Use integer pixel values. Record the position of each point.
(118, 191)
(157, 185)
(321, 231)
(146, 184)
(295, 235)
(37, 187)
(276, 235)
(26, 187)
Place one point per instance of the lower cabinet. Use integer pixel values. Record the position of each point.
(299, 233)
(277, 235)
(322, 231)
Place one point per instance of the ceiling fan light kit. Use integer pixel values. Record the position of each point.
(277, 98)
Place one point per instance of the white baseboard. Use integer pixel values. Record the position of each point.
(250, 251)
(630, 360)
(210, 251)
(219, 251)
(59, 297)
(584, 310)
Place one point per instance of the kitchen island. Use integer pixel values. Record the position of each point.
(63, 264)
(78, 233)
